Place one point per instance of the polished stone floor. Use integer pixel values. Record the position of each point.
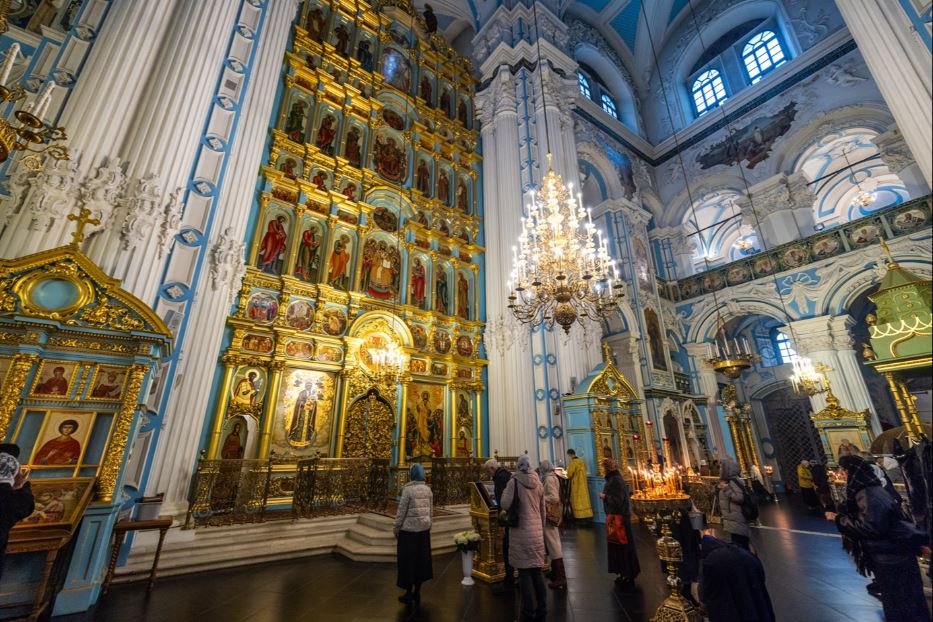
(809, 576)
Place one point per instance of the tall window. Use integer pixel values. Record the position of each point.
(785, 351)
(762, 53)
(708, 91)
(609, 106)
(584, 85)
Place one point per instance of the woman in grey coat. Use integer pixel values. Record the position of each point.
(731, 491)
(413, 530)
(526, 540)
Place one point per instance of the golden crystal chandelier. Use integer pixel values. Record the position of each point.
(809, 379)
(561, 268)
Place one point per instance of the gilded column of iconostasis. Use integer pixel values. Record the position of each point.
(367, 231)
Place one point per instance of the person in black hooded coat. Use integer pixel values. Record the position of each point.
(873, 518)
(732, 583)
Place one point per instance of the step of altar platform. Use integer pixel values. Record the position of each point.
(360, 537)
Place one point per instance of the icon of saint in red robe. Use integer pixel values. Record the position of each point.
(56, 385)
(272, 250)
(62, 449)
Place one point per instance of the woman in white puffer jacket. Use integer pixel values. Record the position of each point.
(413, 531)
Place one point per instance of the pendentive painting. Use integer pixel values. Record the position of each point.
(425, 435)
(305, 412)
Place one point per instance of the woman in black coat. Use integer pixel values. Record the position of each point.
(617, 501)
(16, 500)
(732, 583)
(874, 520)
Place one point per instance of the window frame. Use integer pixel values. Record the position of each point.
(781, 342)
(716, 66)
(764, 46)
(584, 81)
(605, 98)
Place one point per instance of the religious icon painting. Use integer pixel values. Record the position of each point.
(463, 195)
(233, 438)
(389, 159)
(442, 291)
(304, 416)
(290, 165)
(308, 259)
(326, 136)
(393, 119)
(463, 295)
(247, 390)
(423, 176)
(295, 122)
(58, 501)
(441, 342)
(262, 308)
(273, 242)
(261, 344)
(55, 379)
(338, 267)
(426, 88)
(320, 179)
(353, 145)
(464, 345)
(340, 37)
(300, 314)
(329, 354)
(315, 21)
(418, 366)
(381, 265)
(107, 383)
(385, 219)
(655, 340)
(364, 53)
(299, 349)
(443, 186)
(418, 294)
(641, 265)
(396, 69)
(419, 336)
(425, 411)
(439, 369)
(62, 439)
(334, 322)
(349, 189)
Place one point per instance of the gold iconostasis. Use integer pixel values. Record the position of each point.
(367, 233)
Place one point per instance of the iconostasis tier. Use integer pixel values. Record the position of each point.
(367, 233)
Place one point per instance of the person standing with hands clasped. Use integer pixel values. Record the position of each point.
(526, 538)
(732, 493)
(413, 530)
(16, 500)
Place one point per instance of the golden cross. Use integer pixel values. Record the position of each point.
(83, 218)
(887, 251)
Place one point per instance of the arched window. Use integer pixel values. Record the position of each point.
(782, 347)
(708, 91)
(584, 85)
(609, 106)
(761, 54)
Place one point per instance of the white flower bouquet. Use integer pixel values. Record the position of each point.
(467, 540)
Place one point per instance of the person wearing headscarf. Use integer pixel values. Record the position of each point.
(732, 583)
(579, 492)
(886, 541)
(617, 503)
(500, 477)
(807, 487)
(526, 540)
(413, 531)
(16, 499)
(731, 493)
(552, 506)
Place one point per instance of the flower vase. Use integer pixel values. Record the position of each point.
(466, 558)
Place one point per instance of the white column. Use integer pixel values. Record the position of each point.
(828, 340)
(178, 444)
(897, 157)
(901, 66)
(97, 117)
(511, 406)
(780, 209)
(710, 389)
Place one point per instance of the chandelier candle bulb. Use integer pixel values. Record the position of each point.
(8, 62)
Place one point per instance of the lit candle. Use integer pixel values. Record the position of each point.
(8, 61)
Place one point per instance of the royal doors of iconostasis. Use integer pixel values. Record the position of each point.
(77, 357)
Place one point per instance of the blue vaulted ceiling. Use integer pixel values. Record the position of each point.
(626, 22)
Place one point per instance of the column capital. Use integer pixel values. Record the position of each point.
(893, 150)
(778, 193)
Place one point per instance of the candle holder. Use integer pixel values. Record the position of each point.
(32, 131)
(662, 510)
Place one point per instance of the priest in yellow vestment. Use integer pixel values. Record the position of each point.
(579, 492)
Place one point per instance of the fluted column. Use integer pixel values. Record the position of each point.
(828, 340)
(97, 118)
(511, 407)
(709, 388)
(901, 66)
(178, 444)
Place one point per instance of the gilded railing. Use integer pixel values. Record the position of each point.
(331, 486)
(228, 492)
(451, 479)
(890, 223)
